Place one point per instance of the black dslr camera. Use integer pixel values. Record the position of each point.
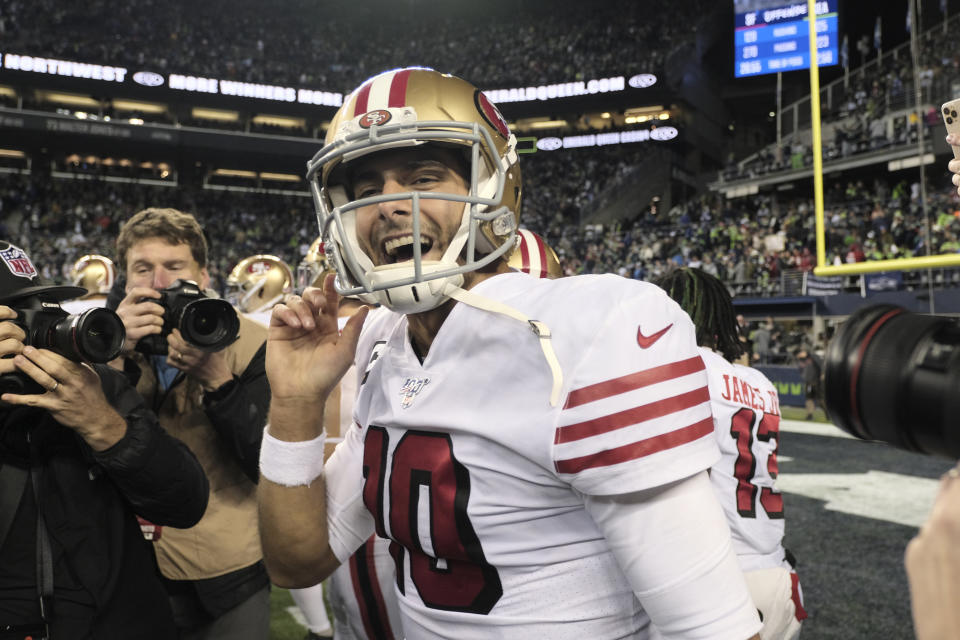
(206, 323)
(96, 335)
(894, 376)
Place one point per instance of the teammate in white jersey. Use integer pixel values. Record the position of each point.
(361, 589)
(535, 449)
(746, 415)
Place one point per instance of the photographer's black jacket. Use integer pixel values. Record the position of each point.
(105, 577)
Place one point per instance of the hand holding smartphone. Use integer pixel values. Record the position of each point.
(950, 111)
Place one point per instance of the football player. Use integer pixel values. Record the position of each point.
(536, 450)
(361, 589)
(257, 283)
(746, 419)
(96, 274)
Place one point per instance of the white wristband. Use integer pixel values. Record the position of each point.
(291, 464)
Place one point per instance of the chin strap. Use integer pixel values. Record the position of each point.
(541, 330)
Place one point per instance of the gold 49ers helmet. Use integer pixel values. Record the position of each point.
(406, 108)
(313, 267)
(534, 256)
(95, 273)
(258, 282)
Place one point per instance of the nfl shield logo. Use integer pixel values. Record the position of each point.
(17, 262)
(411, 387)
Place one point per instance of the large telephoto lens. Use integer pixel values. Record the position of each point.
(96, 335)
(894, 376)
(209, 324)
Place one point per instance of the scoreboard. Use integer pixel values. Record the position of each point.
(772, 36)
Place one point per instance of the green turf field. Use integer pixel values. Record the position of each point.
(283, 624)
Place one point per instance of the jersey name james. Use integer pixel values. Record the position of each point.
(478, 479)
(746, 413)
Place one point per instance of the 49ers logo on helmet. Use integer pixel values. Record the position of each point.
(259, 268)
(490, 113)
(378, 117)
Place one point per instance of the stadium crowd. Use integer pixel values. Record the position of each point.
(868, 111)
(747, 242)
(298, 43)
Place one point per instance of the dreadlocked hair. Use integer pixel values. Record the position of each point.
(708, 303)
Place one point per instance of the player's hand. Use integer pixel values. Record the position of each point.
(210, 369)
(74, 396)
(11, 339)
(933, 566)
(140, 317)
(306, 352)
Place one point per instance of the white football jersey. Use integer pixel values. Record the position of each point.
(480, 481)
(361, 592)
(746, 415)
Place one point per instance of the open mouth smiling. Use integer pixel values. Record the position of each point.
(400, 248)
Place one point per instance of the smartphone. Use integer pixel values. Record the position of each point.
(951, 117)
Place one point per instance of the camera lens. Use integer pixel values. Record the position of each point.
(209, 324)
(96, 335)
(894, 376)
(99, 335)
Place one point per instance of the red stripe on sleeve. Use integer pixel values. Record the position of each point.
(633, 381)
(398, 89)
(628, 417)
(637, 449)
(360, 107)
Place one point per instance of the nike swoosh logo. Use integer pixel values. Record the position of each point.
(646, 342)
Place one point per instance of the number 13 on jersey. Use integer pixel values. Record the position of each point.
(749, 480)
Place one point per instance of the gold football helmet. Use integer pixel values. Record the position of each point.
(406, 108)
(95, 273)
(533, 255)
(314, 266)
(258, 282)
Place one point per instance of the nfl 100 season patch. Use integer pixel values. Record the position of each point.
(411, 387)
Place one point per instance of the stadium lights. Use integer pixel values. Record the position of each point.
(640, 111)
(547, 124)
(11, 153)
(142, 107)
(215, 114)
(68, 98)
(7, 91)
(135, 120)
(279, 177)
(664, 116)
(280, 121)
(235, 173)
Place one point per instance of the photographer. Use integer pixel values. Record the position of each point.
(78, 459)
(216, 402)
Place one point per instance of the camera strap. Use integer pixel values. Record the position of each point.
(12, 481)
(44, 556)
